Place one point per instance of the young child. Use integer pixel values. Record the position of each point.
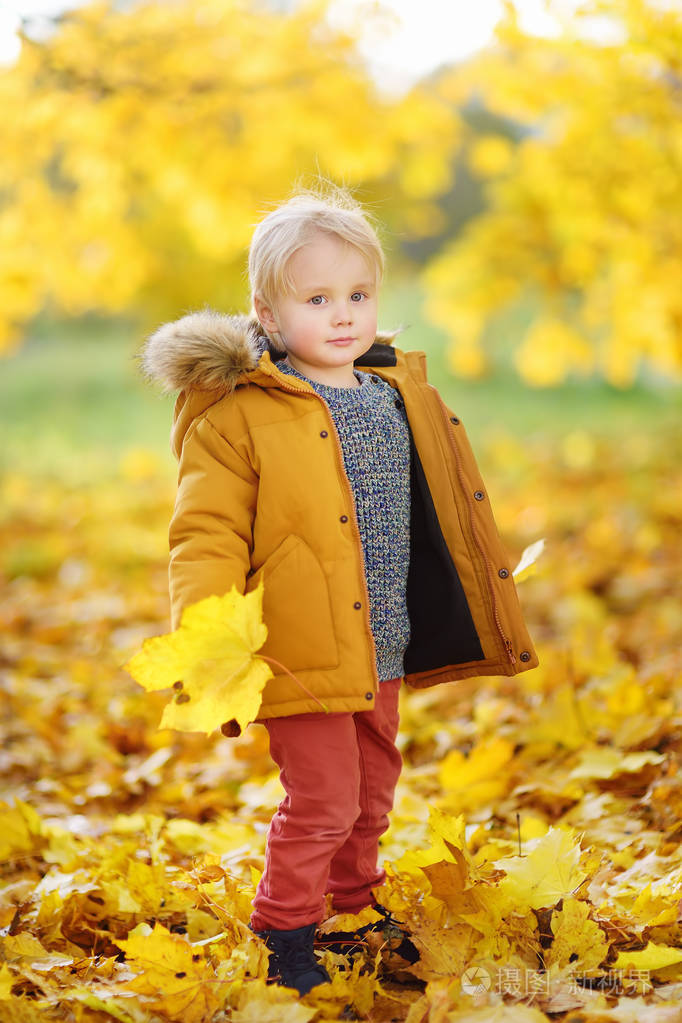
(315, 455)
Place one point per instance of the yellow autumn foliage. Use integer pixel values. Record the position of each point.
(535, 842)
(583, 217)
(141, 143)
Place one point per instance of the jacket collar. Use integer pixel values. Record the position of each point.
(210, 351)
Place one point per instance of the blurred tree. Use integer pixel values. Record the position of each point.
(141, 143)
(465, 196)
(585, 212)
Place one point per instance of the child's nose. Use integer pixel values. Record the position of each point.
(343, 312)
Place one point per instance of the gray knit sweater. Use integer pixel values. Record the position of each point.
(375, 439)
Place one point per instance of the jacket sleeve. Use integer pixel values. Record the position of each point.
(211, 530)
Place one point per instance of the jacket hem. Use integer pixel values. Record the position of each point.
(422, 680)
(333, 705)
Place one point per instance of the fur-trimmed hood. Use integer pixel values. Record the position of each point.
(210, 351)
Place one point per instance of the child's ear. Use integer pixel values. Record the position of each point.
(265, 315)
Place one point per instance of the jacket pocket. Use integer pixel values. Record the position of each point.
(296, 608)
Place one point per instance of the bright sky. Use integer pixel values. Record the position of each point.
(427, 32)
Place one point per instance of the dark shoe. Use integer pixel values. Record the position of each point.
(385, 934)
(292, 961)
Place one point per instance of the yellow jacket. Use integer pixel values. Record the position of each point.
(263, 493)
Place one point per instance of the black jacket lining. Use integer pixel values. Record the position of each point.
(442, 628)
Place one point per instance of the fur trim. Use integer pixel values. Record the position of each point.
(209, 350)
(204, 350)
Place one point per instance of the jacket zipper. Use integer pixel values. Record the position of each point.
(474, 532)
(352, 517)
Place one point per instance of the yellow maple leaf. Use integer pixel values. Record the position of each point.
(210, 662)
(448, 842)
(178, 980)
(653, 957)
(575, 935)
(443, 952)
(450, 830)
(27, 949)
(448, 880)
(549, 872)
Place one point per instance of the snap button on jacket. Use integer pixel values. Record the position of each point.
(263, 494)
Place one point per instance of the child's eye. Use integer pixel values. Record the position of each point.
(357, 296)
(317, 299)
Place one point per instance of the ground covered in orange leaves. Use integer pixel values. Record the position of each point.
(535, 847)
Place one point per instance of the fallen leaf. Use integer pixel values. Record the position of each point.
(548, 872)
(653, 957)
(577, 938)
(179, 980)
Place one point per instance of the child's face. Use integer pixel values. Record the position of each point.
(330, 317)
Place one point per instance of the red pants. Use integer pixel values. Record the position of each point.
(339, 772)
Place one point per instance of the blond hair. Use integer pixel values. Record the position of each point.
(293, 224)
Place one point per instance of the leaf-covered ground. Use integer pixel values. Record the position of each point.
(535, 845)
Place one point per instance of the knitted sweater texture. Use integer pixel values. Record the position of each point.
(375, 439)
